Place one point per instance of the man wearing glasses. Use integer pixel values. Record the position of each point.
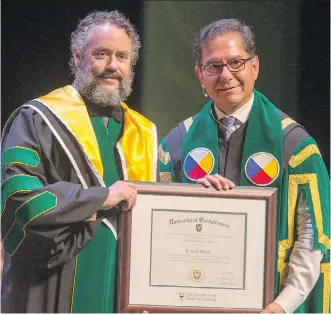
(240, 138)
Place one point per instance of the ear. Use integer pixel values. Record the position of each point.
(256, 67)
(198, 74)
(76, 59)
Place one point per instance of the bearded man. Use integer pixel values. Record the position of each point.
(63, 156)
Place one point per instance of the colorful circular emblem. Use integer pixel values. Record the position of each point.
(262, 169)
(198, 163)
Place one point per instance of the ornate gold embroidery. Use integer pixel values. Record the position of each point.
(303, 155)
(294, 181)
(286, 122)
(165, 177)
(325, 270)
(164, 157)
(188, 122)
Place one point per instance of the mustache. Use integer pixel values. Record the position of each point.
(108, 74)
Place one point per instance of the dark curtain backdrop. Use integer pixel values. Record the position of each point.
(314, 107)
(35, 53)
(35, 45)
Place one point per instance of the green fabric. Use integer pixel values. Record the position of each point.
(312, 166)
(96, 266)
(282, 223)
(25, 214)
(202, 133)
(18, 183)
(20, 155)
(264, 134)
(107, 139)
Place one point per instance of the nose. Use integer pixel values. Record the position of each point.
(112, 64)
(225, 75)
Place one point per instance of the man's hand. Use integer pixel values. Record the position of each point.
(217, 181)
(121, 191)
(273, 308)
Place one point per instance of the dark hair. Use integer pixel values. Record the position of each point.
(220, 28)
(84, 27)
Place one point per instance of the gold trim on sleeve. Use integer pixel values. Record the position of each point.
(325, 270)
(303, 155)
(294, 181)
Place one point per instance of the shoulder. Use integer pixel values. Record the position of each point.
(307, 159)
(23, 118)
(172, 143)
(31, 125)
(179, 132)
(26, 131)
(295, 135)
(293, 131)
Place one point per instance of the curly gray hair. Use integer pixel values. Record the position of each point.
(80, 35)
(220, 28)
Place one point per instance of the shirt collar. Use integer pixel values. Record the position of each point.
(240, 114)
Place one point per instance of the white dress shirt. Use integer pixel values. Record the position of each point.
(240, 114)
(304, 264)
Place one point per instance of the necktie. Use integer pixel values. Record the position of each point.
(228, 124)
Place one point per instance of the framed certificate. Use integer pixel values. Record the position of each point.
(187, 248)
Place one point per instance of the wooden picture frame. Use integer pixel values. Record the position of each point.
(186, 248)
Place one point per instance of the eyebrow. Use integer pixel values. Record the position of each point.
(97, 49)
(218, 61)
(125, 52)
(100, 49)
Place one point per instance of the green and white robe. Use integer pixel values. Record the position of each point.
(301, 170)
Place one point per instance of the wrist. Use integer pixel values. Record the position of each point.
(107, 204)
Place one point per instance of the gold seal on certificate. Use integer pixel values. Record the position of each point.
(185, 248)
(196, 275)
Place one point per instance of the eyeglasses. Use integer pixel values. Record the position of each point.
(216, 68)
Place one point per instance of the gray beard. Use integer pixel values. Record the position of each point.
(89, 87)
